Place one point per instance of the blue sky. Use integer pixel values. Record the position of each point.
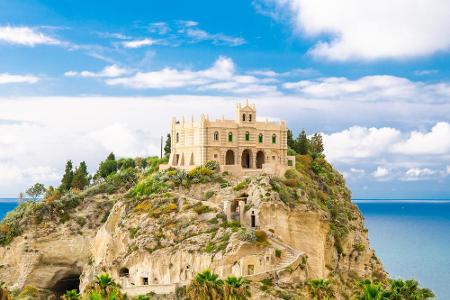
(81, 78)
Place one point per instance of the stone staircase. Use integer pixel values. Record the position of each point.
(290, 258)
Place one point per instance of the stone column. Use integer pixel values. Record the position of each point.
(227, 209)
(242, 212)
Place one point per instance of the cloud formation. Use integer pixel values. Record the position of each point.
(369, 29)
(109, 71)
(199, 35)
(139, 43)
(220, 77)
(372, 88)
(6, 78)
(25, 36)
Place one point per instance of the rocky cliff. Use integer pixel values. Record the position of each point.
(154, 231)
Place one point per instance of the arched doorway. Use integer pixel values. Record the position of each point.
(246, 160)
(253, 219)
(260, 157)
(229, 157)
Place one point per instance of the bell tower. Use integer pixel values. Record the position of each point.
(245, 114)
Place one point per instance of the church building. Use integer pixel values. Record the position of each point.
(241, 146)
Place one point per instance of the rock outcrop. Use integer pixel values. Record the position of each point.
(286, 229)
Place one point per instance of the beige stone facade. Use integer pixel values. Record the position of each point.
(242, 145)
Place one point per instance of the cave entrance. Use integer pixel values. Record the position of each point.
(65, 284)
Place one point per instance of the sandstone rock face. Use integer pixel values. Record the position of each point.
(49, 252)
(163, 249)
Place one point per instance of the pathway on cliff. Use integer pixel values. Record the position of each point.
(289, 255)
(290, 258)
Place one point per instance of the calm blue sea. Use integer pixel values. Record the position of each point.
(412, 238)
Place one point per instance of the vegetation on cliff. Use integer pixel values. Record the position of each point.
(175, 210)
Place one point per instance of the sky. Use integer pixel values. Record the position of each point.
(79, 79)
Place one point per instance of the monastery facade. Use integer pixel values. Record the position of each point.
(240, 146)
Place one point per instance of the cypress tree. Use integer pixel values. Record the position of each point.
(317, 143)
(302, 143)
(107, 167)
(168, 145)
(66, 181)
(81, 177)
(290, 139)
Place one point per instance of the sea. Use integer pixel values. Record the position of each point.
(411, 237)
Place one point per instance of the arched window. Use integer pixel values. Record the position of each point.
(274, 138)
(260, 138)
(243, 118)
(250, 117)
(230, 136)
(178, 137)
(216, 136)
(247, 136)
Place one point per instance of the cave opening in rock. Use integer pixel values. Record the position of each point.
(65, 284)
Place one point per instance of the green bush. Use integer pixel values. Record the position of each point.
(200, 208)
(278, 253)
(241, 185)
(158, 206)
(209, 194)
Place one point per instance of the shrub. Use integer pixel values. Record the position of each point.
(80, 221)
(200, 208)
(149, 186)
(241, 185)
(212, 165)
(265, 284)
(126, 163)
(278, 253)
(261, 237)
(359, 247)
(209, 194)
(125, 178)
(156, 207)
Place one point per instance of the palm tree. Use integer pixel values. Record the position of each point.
(320, 289)
(371, 291)
(236, 288)
(105, 287)
(71, 295)
(205, 286)
(408, 290)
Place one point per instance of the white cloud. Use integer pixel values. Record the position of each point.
(25, 36)
(188, 23)
(294, 72)
(108, 72)
(359, 142)
(217, 38)
(418, 173)
(437, 141)
(121, 139)
(380, 172)
(371, 88)
(448, 170)
(362, 142)
(425, 72)
(139, 43)
(221, 76)
(159, 27)
(12, 174)
(367, 29)
(13, 78)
